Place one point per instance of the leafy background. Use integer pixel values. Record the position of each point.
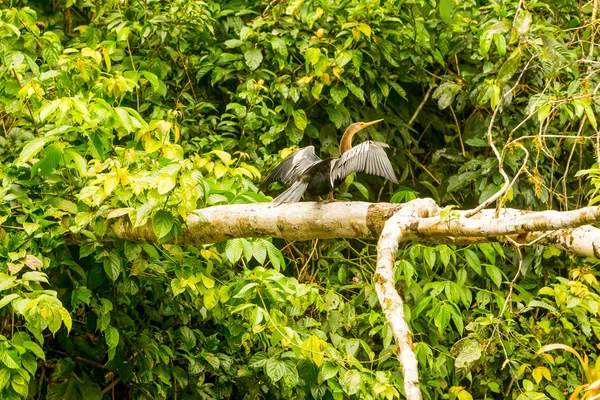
(153, 109)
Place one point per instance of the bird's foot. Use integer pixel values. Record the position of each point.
(331, 199)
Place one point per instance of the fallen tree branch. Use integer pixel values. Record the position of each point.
(310, 220)
(391, 303)
(297, 221)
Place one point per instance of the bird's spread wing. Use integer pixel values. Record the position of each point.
(368, 157)
(293, 167)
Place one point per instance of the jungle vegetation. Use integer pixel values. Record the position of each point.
(153, 109)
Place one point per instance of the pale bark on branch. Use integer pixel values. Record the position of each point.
(309, 220)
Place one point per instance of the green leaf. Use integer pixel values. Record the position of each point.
(300, 119)
(47, 109)
(429, 256)
(590, 114)
(489, 251)
(111, 336)
(206, 281)
(362, 189)
(162, 223)
(233, 250)
(81, 295)
(556, 393)
(351, 381)
(522, 21)
(312, 55)
(500, 43)
(442, 316)
(124, 118)
(358, 92)
(308, 371)
(153, 79)
(352, 346)
(7, 282)
(316, 90)
(573, 301)
(494, 273)
(35, 276)
(343, 58)
(447, 8)
(15, 59)
(72, 156)
(338, 93)
(211, 299)
(275, 369)
(365, 29)
(258, 359)
(445, 94)
(509, 68)
(52, 157)
(259, 252)
(398, 89)
(485, 42)
(4, 377)
(275, 255)
(244, 290)
(328, 371)
(30, 150)
(10, 358)
(253, 58)
(64, 205)
(112, 266)
(7, 299)
(178, 286)
(468, 355)
(293, 6)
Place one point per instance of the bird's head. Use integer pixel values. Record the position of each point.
(357, 126)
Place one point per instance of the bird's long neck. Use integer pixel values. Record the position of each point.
(346, 142)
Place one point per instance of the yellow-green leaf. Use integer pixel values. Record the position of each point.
(165, 183)
(314, 349)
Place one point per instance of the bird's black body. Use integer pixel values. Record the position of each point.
(319, 178)
(308, 173)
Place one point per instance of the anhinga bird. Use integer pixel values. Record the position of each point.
(308, 173)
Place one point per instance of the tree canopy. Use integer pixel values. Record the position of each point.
(139, 114)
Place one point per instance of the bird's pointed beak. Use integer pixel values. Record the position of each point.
(366, 124)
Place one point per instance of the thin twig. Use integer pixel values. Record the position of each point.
(187, 74)
(32, 34)
(41, 383)
(500, 158)
(308, 259)
(82, 359)
(515, 177)
(594, 13)
(137, 90)
(418, 110)
(462, 145)
(111, 386)
(564, 178)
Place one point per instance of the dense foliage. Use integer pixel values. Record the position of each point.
(153, 109)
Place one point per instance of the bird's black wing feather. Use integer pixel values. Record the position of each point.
(292, 194)
(290, 169)
(368, 157)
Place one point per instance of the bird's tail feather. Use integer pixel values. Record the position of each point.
(292, 194)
